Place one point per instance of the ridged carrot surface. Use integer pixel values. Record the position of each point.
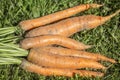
(30, 24)
(75, 53)
(26, 65)
(58, 61)
(70, 26)
(42, 41)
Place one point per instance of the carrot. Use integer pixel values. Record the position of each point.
(75, 53)
(41, 41)
(57, 61)
(26, 65)
(30, 24)
(70, 26)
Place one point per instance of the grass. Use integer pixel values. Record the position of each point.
(105, 38)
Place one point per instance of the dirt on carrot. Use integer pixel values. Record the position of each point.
(75, 53)
(46, 71)
(70, 26)
(58, 61)
(30, 24)
(48, 40)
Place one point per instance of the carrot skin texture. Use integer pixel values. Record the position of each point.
(75, 53)
(70, 26)
(26, 65)
(48, 40)
(44, 71)
(30, 24)
(57, 61)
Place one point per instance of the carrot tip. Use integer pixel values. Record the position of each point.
(90, 73)
(100, 74)
(96, 5)
(88, 46)
(104, 68)
(110, 60)
(112, 15)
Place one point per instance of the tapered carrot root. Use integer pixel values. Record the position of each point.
(86, 73)
(76, 53)
(57, 72)
(30, 24)
(70, 26)
(51, 40)
(58, 61)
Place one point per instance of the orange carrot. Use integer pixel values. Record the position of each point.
(51, 40)
(70, 26)
(57, 72)
(30, 24)
(57, 61)
(76, 53)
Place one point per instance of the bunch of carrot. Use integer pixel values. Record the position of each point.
(66, 60)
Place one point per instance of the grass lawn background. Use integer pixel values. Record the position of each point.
(105, 38)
